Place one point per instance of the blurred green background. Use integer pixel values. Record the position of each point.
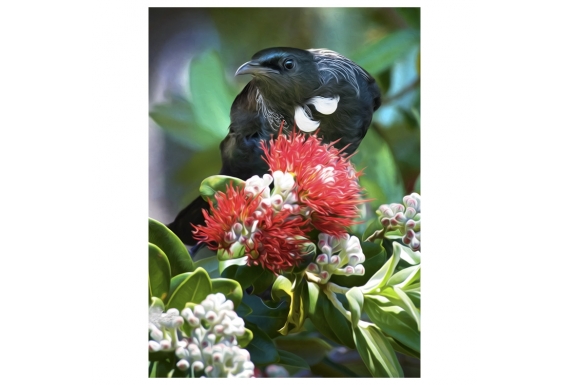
(194, 52)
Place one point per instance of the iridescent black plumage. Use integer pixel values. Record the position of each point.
(306, 89)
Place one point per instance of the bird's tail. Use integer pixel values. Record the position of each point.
(191, 215)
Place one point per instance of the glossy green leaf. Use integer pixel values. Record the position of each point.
(406, 254)
(331, 322)
(171, 245)
(211, 185)
(313, 291)
(383, 53)
(403, 348)
(244, 274)
(399, 298)
(394, 322)
(298, 307)
(381, 277)
(281, 287)
(263, 282)
(406, 277)
(261, 348)
(309, 348)
(225, 263)
(269, 319)
(210, 94)
(189, 287)
(356, 303)
(228, 287)
(245, 339)
(158, 272)
(376, 351)
(209, 264)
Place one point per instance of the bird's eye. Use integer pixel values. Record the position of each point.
(289, 64)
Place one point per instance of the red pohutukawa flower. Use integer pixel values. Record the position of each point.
(315, 186)
(242, 220)
(326, 182)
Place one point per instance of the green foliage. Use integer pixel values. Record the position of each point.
(211, 185)
(189, 288)
(171, 245)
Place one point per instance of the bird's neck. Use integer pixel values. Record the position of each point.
(274, 113)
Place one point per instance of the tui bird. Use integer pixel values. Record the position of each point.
(307, 89)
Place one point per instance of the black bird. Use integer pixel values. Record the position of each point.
(307, 89)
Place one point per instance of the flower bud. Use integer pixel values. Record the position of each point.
(183, 365)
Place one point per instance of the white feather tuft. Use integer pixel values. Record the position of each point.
(304, 121)
(324, 105)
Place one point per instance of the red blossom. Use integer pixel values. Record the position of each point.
(272, 239)
(327, 184)
(233, 207)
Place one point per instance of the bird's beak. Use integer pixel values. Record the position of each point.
(254, 68)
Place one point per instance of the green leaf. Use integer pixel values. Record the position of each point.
(189, 287)
(211, 96)
(171, 245)
(381, 277)
(298, 306)
(405, 277)
(311, 349)
(402, 348)
(406, 254)
(376, 351)
(399, 298)
(281, 287)
(356, 303)
(211, 185)
(228, 287)
(313, 297)
(245, 339)
(290, 359)
(266, 318)
(263, 282)
(395, 322)
(261, 348)
(331, 322)
(224, 264)
(158, 272)
(382, 54)
(209, 264)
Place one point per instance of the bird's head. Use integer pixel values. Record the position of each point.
(283, 75)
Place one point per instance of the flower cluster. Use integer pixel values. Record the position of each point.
(404, 218)
(314, 187)
(256, 223)
(340, 255)
(326, 182)
(211, 345)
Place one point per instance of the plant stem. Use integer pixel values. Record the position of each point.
(378, 234)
